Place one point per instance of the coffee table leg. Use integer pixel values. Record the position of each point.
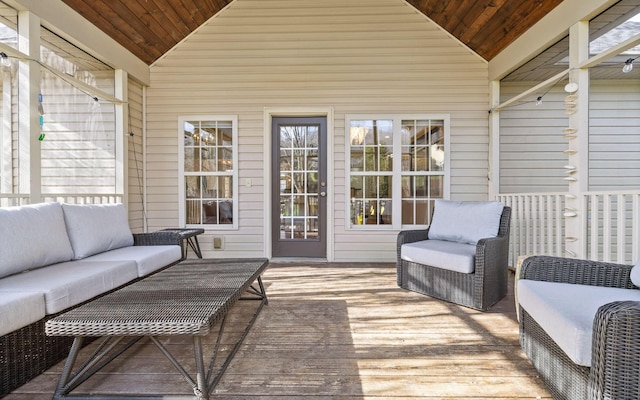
(201, 391)
(68, 366)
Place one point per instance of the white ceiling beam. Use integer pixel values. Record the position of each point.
(612, 52)
(554, 26)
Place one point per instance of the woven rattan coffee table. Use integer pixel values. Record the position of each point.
(186, 299)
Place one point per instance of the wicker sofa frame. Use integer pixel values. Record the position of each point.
(615, 362)
(27, 352)
(478, 290)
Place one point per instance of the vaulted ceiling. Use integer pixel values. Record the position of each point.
(149, 28)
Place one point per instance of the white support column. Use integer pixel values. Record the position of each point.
(578, 148)
(494, 140)
(29, 118)
(122, 133)
(6, 135)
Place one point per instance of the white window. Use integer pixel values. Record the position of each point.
(208, 172)
(397, 166)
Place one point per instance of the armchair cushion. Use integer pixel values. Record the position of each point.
(465, 221)
(566, 312)
(96, 228)
(459, 257)
(635, 274)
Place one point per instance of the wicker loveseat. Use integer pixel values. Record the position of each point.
(580, 326)
(462, 257)
(54, 257)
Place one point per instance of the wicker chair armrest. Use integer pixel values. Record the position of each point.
(407, 237)
(412, 236)
(576, 271)
(157, 238)
(615, 359)
(495, 252)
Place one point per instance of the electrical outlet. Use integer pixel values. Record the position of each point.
(218, 243)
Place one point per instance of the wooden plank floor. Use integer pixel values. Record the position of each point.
(340, 331)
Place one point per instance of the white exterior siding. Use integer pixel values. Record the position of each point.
(614, 137)
(353, 57)
(532, 143)
(78, 151)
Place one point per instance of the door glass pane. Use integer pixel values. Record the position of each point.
(299, 181)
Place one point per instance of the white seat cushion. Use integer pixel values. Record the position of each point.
(566, 312)
(94, 228)
(19, 309)
(32, 236)
(66, 284)
(148, 258)
(459, 257)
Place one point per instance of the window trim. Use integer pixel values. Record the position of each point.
(181, 172)
(396, 194)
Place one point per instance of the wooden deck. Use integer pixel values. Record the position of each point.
(341, 331)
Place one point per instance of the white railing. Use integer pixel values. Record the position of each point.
(612, 221)
(90, 198)
(613, 226)
(8, 199)
(537, 224)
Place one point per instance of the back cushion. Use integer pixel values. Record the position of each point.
(96, 228)
(32, 236)
(465, 221)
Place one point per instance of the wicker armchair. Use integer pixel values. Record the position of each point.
(479, 290)
(615, 349)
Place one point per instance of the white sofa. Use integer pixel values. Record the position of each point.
(54, 257)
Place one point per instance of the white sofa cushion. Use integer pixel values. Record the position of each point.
(96, 228)
(566, 312)
(148, 258)
(66, 284)
(19, 309)
(465, 221)
(31, 237)
(459, 257)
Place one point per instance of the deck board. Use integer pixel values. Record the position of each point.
(340, 331)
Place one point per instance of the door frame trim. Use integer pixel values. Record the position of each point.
(269, 114)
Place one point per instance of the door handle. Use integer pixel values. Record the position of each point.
(323, 194)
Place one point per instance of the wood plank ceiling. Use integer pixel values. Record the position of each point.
(149, 28)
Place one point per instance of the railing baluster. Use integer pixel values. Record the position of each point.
(635, 230)
(621, 225)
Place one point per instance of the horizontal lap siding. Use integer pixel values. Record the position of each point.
(614, 139)
(365, 56)
(532, 143)
(78, 151)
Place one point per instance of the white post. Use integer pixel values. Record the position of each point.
(578, 147)
(6, 154)
(494, 141)
(29, 118)
(122, 133)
